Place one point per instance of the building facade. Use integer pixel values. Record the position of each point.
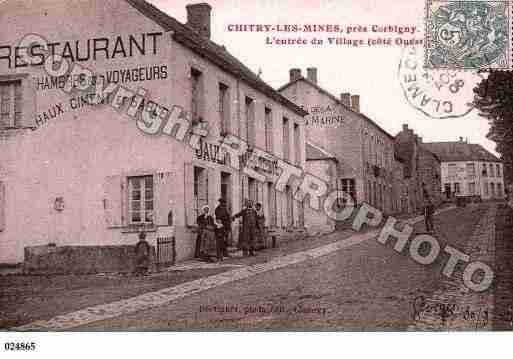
(469, 170)
(77, 173)
(422, 169)
(364, 151)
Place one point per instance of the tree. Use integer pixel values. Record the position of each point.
(494, 100)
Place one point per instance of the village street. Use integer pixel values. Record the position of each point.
(343, 281)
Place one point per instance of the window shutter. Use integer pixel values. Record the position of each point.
(2, 206)
(28, 94)
(190, 214)
(114, 191)
(164, 196)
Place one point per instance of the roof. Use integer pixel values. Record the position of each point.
(337, 100)
(315, 152)
(218, 55)
(460, 151)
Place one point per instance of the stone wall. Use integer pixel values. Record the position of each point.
(52, 259)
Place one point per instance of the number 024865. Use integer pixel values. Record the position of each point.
(20, 346)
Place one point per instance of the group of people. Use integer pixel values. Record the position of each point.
(217, 229)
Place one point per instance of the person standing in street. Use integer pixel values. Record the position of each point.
(223, 215)
(142, 252)
(220, 241)
(429, 211)
(249, 219)
(206, 226)
(260, 226)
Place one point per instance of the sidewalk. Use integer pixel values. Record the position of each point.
(232, 270)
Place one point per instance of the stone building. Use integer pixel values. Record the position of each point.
(364, 151)
(469, 170)
(149, 155)
(421, 168)
(400, 187)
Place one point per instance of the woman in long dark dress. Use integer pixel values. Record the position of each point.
(206, 227)
(260, 227)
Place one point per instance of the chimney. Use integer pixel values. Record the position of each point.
(198, 18)
(345, 98)
(420, 139)
(405, 127)
(461, 139)
(294, 74)
(312, 74)
(355, 102)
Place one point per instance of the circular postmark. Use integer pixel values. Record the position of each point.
(467, 34)
(437, 93)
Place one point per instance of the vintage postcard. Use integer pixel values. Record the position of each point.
(171, 165)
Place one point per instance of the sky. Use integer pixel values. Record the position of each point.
(371, 72)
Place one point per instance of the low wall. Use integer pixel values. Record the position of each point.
(81, 259)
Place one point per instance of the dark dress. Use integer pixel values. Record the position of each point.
(248, 234)
(260, 231)
(142, 251)
(205, 239)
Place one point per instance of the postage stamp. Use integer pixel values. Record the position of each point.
(468, 34)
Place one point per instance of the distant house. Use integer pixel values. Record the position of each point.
(469, 170)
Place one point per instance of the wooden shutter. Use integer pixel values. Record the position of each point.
(164, 196)
(28, 95)
(190, 214)
(2, 206)
(114, 191)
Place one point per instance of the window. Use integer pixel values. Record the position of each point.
(492, 189)
(486, 192)
(452, 170)
(224, 108)
(226, 187)
(271, 200)
(498, 170)
(492, 172)
(196, 95)
(499, 190)
(10, 104)
(456, 187)
(485, 171)
(141, 196)
(200, 189)
(249, 134)
(472, 188)
(268, 124)
(297, 145)
(286, 139)
(348, 186)
(253, 190)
